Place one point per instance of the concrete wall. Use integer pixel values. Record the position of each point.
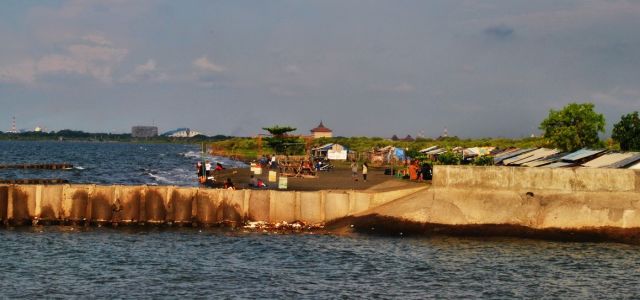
(559, 179)
(533, 197)
(27, 204)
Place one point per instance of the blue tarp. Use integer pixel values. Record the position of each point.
(400, 153)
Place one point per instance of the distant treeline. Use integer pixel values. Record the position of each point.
(76, 135)
(248, 147)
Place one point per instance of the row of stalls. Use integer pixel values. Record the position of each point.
(544, 157)
(376, 156)
(554, 158)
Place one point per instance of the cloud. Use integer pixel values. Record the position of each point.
(500, 31)
(282, 92)
(97, 39)
(204, 65)
(146, 72)
(401, 88)
(292, 69)
(622, 98)
(93, 57)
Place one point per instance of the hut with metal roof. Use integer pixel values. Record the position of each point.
(608, 160)
(530, 156)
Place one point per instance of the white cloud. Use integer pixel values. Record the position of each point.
(23, 72)
(95, 59)
(203, 64)
(146, 72)
(97, 39)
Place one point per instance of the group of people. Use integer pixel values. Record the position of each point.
(419, 172)
(268, 162)
(204, 172)
(205, 169)
(256, 182)
(354, 170)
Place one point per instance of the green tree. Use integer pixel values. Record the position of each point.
(627, 132)
(575, 126)
(281, 142)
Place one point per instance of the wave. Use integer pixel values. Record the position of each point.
(78, 168)
(225, 161)
(192, 154)
(161, 178)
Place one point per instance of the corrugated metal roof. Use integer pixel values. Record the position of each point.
(559, 164)
(428, 149)
(506, 152)
(436, 151)
(538, 163)
(499, 159)
(530, 156)
(627, 161)
(324, 147)
(606, 160)
(477, 151)
(581, 154)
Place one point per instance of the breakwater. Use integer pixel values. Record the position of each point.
(534, 202)
(118, 204)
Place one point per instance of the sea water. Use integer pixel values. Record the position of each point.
(109, 163)
(159, 262)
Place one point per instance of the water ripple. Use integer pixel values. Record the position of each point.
(64, 262)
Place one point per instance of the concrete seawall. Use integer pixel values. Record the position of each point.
(96, 204)
(571, 200)
(466, 200)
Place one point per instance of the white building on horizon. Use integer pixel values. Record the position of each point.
(182, 133)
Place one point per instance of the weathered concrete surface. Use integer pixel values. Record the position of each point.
(499, 199)
(531, 198)
(117, 204)
(540, 210)
(515, 178)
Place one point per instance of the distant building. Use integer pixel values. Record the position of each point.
(182, 133)
(321, 132)
(144, 131)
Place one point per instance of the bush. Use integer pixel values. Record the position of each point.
(483, 161)
(449, 158)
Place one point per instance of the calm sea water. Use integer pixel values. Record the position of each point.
(64, 262)
(142, 262)
(108, 163)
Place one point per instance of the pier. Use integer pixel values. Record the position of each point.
(46, 166)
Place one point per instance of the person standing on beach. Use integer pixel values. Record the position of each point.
(354, 170)
(365, 170)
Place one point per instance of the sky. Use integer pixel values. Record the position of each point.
(365, 68)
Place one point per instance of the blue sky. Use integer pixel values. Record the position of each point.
(366, 68)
